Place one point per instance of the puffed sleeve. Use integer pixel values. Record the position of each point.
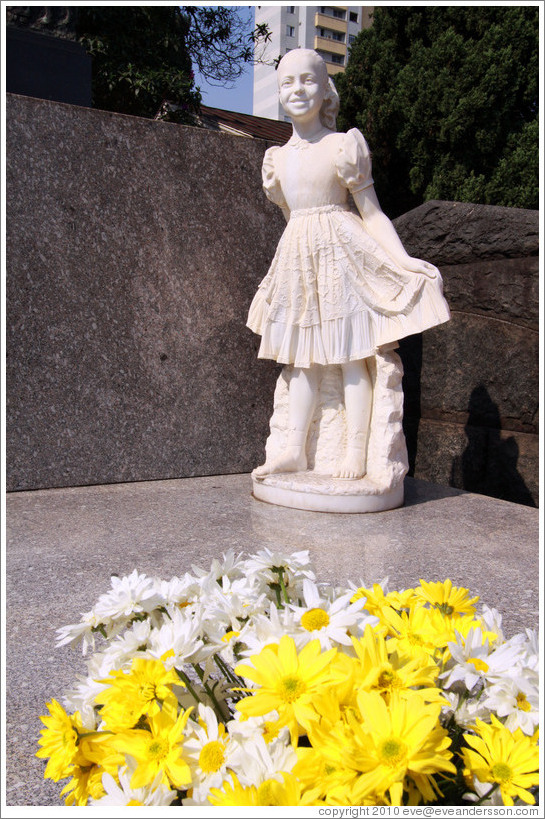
(271, 183)
(353, 162)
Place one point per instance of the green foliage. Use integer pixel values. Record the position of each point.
(139, 58)
(143, 55)
(447, 97)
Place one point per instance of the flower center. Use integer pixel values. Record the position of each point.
(228, 636)
(389, 679)
(157, 748)
(502, 773)
(480, 665)
(522, 702)
(270, 731)
(70, 737)
(211, 757)
(414, 639)
(315, 619)
(444, 608)
(147, 691)
(291, 688)
(392, 752)
(132, 802)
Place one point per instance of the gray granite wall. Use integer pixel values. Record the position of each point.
(472, 385)
(134, 250)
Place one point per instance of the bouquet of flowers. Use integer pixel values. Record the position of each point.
(253, 684)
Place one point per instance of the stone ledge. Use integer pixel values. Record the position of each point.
(64, 544)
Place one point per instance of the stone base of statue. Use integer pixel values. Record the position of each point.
(387, 464)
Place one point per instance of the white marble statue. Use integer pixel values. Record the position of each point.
(340, 292)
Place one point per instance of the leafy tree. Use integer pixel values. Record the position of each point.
(447, 99)
(143, 55)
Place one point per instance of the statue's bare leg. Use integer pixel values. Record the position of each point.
(302, 400)
(358, 395)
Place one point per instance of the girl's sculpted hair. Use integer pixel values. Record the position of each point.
(330, 105)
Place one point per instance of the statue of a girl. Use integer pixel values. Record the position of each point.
(340, 292)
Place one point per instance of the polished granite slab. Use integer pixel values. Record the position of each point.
(64, 544)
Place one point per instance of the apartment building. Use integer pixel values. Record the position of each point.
(329, 30)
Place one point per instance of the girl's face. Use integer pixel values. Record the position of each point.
(301, 86)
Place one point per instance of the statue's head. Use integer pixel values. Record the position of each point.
(304, 68)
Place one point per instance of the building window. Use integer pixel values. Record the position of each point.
(290, 31)
(351, 38)
(333, 12)
(336, 58)
(327, 34)
(353, 16)
(291, 9)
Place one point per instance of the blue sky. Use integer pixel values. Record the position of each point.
(240, 97)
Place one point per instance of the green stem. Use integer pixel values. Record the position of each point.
(209, 691)
(185, 679)
(283, 587)
(93, 734)
(229, 675)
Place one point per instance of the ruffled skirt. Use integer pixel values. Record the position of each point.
(333, 295)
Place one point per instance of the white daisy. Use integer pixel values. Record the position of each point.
(244, 728)
(492, 621)
(481, 789)
(255, 760)
(129, 595)
(464, 710)
(328, 621)
(122, 795)
(131, 643)
(231, 566)
(269, 567)
(267, 629)
(180, 591)
(182, 635)
(82, 632)
(473, 662)
(207, 750)
(517, 700)
(231, 603)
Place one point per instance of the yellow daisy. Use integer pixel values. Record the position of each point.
(389, 675)
(382, 746)
(287, 682)
(95, 755)
(59, 741)
(158, 750)
(233, 794)
(403, 740)
(85, 782)
(417, 634)
(131, 694)
(376, 600)
(445, 597)
(506, 760)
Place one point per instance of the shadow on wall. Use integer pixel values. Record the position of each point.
(410, 350)
(488, 464)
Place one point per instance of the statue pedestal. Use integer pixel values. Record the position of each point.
(319, 493)
(387, 464)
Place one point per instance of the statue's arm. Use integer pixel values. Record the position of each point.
(382, 230)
